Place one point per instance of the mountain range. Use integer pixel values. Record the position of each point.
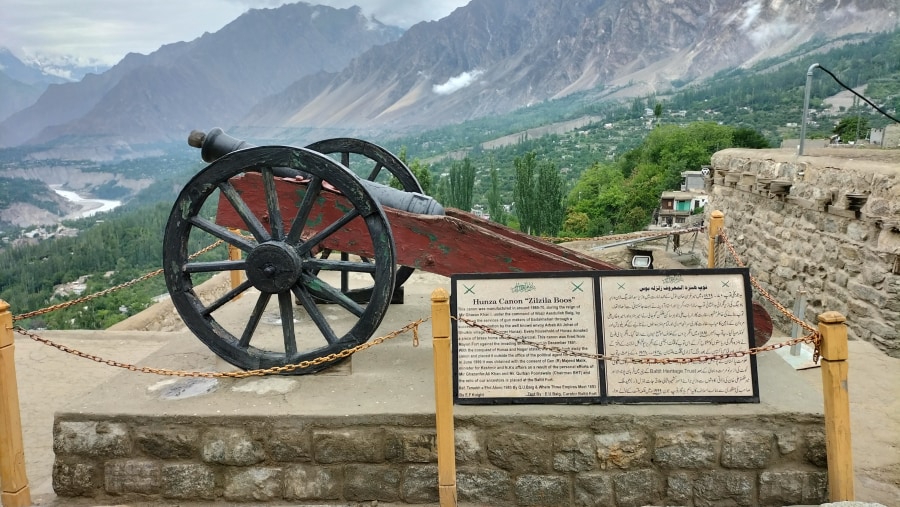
(214, 79)
(311, 67)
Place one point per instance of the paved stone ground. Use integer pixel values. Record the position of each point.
(50, 379)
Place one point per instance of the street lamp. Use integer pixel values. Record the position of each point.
(809, 74)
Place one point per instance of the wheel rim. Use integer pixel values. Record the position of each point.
(372, 162)
(278, 260)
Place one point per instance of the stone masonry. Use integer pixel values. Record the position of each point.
(835, 233)
(623, 461)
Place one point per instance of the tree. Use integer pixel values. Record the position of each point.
(657, 112)
(600, 195)
(442, 191)
(848, 127)
(577, 223)
(462, 184)
(538, 195)
(419, 169)
(550, 193)
(523, 192)
(748, 138)
(423, 174)
(495, 204)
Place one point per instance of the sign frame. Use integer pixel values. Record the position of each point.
(742, 371)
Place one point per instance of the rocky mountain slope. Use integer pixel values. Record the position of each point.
(214, 79)
(302, 66)
(493, 56)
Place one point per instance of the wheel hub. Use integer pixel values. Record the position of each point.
(273, 267)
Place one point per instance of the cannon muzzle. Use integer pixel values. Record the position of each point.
(216, 144)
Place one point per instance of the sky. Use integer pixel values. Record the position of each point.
(104, 31)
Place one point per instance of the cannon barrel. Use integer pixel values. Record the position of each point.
(216, 144)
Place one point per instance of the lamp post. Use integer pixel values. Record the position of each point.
(809, 74)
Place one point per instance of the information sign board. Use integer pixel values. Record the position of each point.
(550, 328)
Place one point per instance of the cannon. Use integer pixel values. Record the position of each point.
(288, 210)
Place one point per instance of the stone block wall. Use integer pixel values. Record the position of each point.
(812, 238)
(617, 461)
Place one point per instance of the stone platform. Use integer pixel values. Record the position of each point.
(365, 433)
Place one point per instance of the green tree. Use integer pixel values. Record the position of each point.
(599, 194)
(462, 184)
(423, 174)
(442, 191)
(748, 138)
(550, 193)
(523, 192)
(538, 196)
(848, 127)
(577, 223)
(419, 169)
(495, 202)
(657, 112)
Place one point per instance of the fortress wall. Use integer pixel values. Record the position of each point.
(812, 238)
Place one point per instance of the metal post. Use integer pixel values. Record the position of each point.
(716, 223)
(799, 312)
(443, 397)
(809, 74)
(14, 481)
(832, 327)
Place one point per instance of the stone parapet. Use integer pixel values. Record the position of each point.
(618, 461)
(835, 233)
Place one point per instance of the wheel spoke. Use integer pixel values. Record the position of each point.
(345, 159)
(328, 231)
(222, 233)
(319, 288)
(206, 267)
(313, 310)
(275, 222)
(261, 302)
(228, 296)
(375, 171)
(309, 198)
(287, 323)
(255, 227)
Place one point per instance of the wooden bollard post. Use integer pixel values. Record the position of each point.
(837, 405)
(716, 223)
(13, 480)
(443, 397)
(234, 254)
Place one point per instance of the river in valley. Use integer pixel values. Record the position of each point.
(89, 207)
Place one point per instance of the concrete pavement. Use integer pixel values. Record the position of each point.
(50, 381)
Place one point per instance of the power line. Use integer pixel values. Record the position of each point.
(851, 90)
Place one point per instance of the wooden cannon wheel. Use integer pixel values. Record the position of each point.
(374, 163)
(278, 260)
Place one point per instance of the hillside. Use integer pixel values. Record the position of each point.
(286, 74)
(212, 80)
(494, 56)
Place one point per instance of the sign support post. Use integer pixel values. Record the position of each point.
(12, 451)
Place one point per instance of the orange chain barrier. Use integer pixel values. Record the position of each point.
(813, 338)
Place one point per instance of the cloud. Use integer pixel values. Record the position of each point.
(753, 11)
(775, 30)
(456, 83)
(104, 31)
